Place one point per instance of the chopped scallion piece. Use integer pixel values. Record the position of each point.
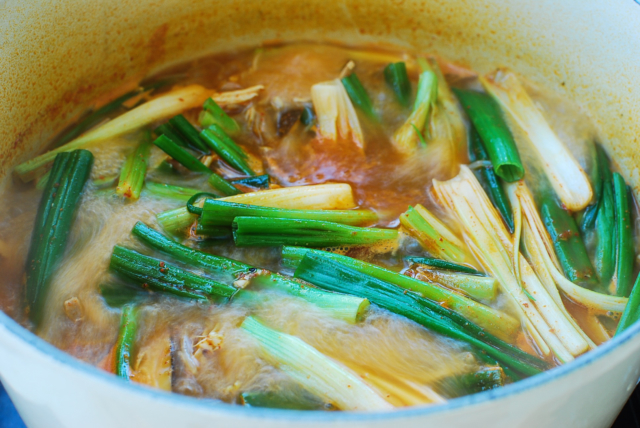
(405, 139)
(358, 95)
(216, 115)
(134, 170)
(395, 74)
(487, 119)
(266, 231)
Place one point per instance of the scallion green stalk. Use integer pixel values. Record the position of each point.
(443, 264)
(159, 108)
(631, 312)
(214, 114)
(345, 307)
(313, 197)
(434, 236)
(493, 321)
(475, 286)
(488, 179)
(216, 212)
(334, 276)
(625, 252)
(186, 129)
(568, 242)
(315, 372)
(568, 179)
(219, 144)
(176, 220)
(605, 252)
(126, 341)
(600, 174)
(395, 74)
(167, 130)
(193, 164)
(266, 231)
(406, 138)
(134, 170)
(359, 96)
(222, 185)
(53, 223)
(169, 191)
(162, 277)
(487, 119)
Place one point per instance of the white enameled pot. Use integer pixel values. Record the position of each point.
(58, 55)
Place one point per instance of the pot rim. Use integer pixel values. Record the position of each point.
(317, 415)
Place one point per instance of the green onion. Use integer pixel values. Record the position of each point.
(488, 178)
(134, 170)
(315, 372)
(167, 130)
(126, 341)
(159, 108)
(190, 162)
(487, 119)
(291, 397)
(186, 129)
(395, 75)
(219, 132)
(210, 262)
(498, 252)
(443, 264)
(631, 312)
(358, 95)
(312, 197)
(569, 181)
(265, 231)
(169, 191)
(96, 117)
(54, 219)
(475, 286)
(405, 139)
(340, 306)
(625, 252)
(484, 379)
(568, 243)
(605, 252)
(600, 175)
(215, 115)
(176, 220)
(100, 114)
(493, 321)
(257, 181)
(334, 276)
(222, 185)
(160, 276)
(181, 155)
(308, 116)
(222, 213)
(219, 144)
(433, 235)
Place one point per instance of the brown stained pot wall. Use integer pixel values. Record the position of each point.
(57, 56)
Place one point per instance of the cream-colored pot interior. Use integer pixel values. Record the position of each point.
(57, 56)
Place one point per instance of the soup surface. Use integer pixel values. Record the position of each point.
(468, 232)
